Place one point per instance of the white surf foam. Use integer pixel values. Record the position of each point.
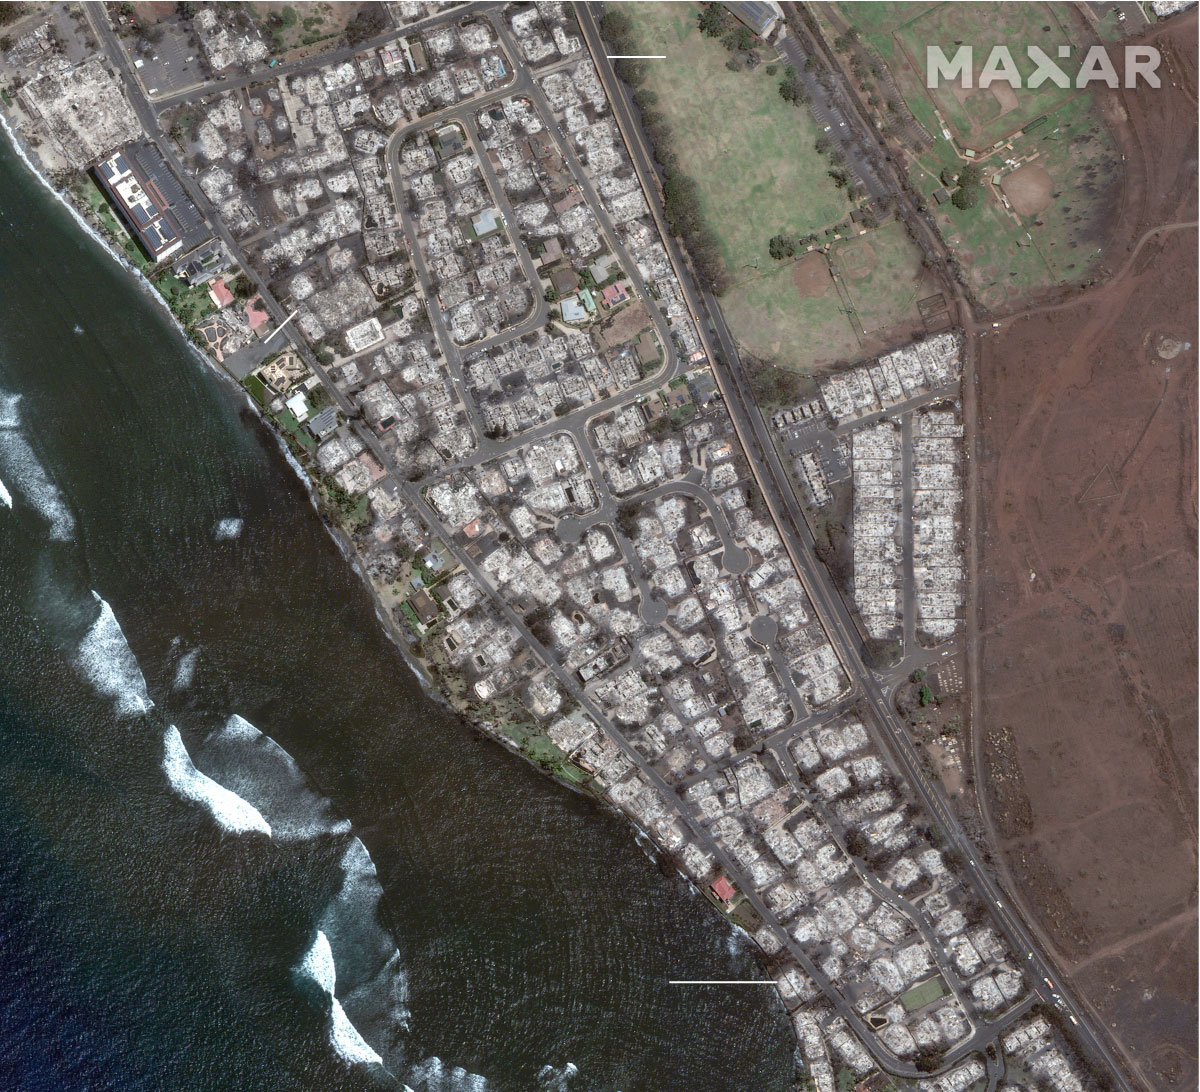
(318, 965)
(431, 1075)
(373, 987)
(109, 664)
(28, 477)
(254, 766)
(5, 496)
(227, 529)
(231, 812)
(556, 1080)
(239, 728)
(185, 670)
(10, 414)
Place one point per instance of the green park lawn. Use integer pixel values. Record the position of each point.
(1006, 255)
(752, 157)
(750, 152)
(883, 276)
(774, 322)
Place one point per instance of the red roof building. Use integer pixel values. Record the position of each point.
(723, 889)
(256, 313)
(614, 294)
(219, 293)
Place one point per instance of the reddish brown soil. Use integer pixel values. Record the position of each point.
(811, 276)
(1029, 188)
(1088, 590)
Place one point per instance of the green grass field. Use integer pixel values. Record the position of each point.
(758, 175)
(883, 276)
(774, 322)
(922, 994)
(753, 157)
(1006, 254)
(981, 116)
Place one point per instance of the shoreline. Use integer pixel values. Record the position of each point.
(421, 667)
(417, 664)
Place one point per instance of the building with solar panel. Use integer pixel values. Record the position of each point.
(151, 201)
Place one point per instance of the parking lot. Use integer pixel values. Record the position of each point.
(169, 65)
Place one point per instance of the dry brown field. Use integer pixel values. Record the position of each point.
(1088, 592)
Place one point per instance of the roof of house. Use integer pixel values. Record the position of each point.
(424, 606)
(573, 310)
(484, 223)
(298, 406)
(759, 17)
(324, 422)
(600, 267)
(614, 293)
(257, 313)
(553, 251)
(564, 279)
(220, 294)
(723, 889)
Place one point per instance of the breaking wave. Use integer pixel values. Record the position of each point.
(5, 496)
(27, 475)
(318, 965)
(432, 1075)
(371, 984)
(227, 529)
(231, 812)
(250, 785)
(255, 767)
(556, 1080)
(109, 664)
(10, 416)
(185, 670)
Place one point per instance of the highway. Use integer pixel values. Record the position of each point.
(775, 484)
(764, 460)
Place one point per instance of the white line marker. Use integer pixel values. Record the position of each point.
(280, 326)
(636, 56)
(721, 982)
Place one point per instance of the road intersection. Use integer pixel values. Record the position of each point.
(760, 451)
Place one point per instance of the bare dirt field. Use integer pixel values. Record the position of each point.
(1088, 585)
(1029, 188)
(811, 277)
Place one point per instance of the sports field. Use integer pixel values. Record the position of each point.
(980, 116)
(792, 315)
(1063, 198)
(1062, 178)
(883, 277)
(922, 994)
(752, 157)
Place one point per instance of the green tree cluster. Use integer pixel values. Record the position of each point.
(969, 182)
(784, 246)
(791, 88)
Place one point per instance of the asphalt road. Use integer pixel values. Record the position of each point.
(834, 615)
(336, 56)
(764, 462)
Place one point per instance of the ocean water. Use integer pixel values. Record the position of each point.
(243, 848)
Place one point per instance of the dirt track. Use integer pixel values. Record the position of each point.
(1088, 599)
